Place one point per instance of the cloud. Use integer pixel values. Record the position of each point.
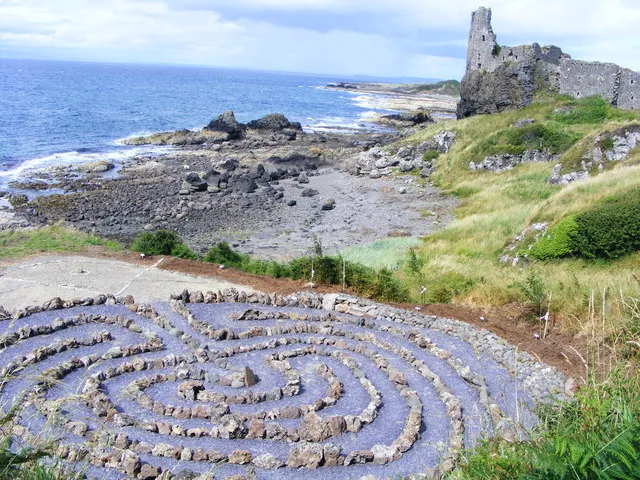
(420, 38)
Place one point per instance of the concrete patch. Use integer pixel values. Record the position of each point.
(35, 281)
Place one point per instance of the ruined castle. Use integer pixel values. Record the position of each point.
(499, 77)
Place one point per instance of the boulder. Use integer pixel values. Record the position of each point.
(98, 166)
(309, 192)
(226, 123)
(193, 183)
(246, 184)
(274, 122)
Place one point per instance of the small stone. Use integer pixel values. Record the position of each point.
(256, 429)
(307, 455)
(250, 378)
(267, 461)
(240, 457)
(130, 463)
(148, 472)
(359, 456)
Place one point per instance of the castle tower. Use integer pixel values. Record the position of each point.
(482, 41)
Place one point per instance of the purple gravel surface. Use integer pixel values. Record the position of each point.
(387, 426)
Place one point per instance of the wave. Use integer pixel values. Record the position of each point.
(76, 157)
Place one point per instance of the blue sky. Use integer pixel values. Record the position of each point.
(390, 38)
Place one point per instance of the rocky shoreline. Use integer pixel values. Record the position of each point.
(267, 187)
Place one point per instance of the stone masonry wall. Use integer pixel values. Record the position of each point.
(543, 67)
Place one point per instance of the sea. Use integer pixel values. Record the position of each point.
(55, 112)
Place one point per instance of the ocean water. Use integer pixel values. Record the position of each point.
(54, 112)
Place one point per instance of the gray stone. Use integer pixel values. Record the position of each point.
(250, 378)
(307, 455)
(267, 461)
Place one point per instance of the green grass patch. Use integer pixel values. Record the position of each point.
(430, 155)
(594, 437)
(385, 253)
(536, 136)
(55, 238)
(589, 110)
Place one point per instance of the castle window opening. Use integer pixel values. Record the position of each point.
(479, 65)
(483, 39)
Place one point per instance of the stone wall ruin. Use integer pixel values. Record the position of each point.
(501, 77)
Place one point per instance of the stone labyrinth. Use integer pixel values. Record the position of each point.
(260, 386)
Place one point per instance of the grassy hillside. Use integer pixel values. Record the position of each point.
(461, 264)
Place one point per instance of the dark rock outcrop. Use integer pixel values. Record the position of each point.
(274, 122)
(227, 123)
(509, 86)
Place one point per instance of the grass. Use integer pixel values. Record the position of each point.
(461, 261)
(385, 253)
(319, 269)
(55, 238)
(595, 436)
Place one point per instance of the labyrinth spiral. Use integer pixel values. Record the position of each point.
(230, 383)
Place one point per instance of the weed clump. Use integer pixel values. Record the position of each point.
(162, 242)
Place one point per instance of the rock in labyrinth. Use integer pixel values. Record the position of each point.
(221, 384)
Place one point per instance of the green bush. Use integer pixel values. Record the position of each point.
(443, 288)
(610, 230)
(557, 242)
(180, 250)
(162, 242)
(223, 254)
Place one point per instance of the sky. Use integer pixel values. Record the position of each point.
(386, 38)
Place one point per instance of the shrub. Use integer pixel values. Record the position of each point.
(162, 242)
(607, 143)
(223, 254)
(181, 250)
(609, 230)
(534, 291)
(557, 242)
